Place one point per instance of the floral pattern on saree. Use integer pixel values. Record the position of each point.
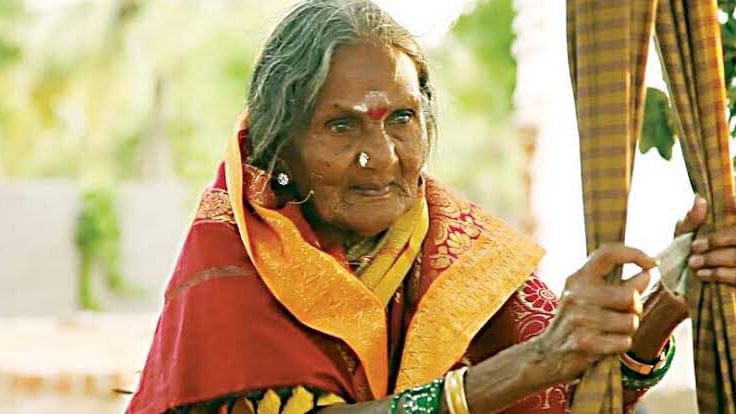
(453, 229)
(215, 206)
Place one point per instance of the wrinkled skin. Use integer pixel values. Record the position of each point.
(370, 103)
(594, 319)
(714, 255)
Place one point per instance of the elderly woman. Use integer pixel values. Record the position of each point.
(325, 272)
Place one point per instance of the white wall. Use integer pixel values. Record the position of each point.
(39, 259)
(37, 255)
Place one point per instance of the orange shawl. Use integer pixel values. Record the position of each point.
(256, 303)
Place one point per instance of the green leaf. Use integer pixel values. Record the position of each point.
(658, 130)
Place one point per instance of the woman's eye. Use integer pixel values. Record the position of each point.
(403, 116)
(339, 126)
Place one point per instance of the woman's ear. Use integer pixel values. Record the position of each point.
(281, 166)
(281, 174)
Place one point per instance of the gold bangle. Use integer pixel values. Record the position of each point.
(643, 368)
(455, 398)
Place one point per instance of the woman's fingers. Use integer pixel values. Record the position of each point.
(722, 238)
(608, 256)
(640, 281)
(718, 274)
(614, 344)
(604, 320)
(694, 218)
(723, 257)
(592, 342)
(714, 256)
(612, 322)
(621, 298)
(595, 319)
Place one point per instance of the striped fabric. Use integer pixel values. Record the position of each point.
(689, 41)
(607, 44)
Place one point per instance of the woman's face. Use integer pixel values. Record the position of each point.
(370, 103)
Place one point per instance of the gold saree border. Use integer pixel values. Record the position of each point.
(337, 304)
(462, 300)
(205, 275)
(455, 307)
(214, 206)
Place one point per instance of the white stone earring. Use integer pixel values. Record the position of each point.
(363, 159)
(283, 179)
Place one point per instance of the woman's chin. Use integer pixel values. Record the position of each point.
(364, 219)
(370, 229)
(370, 225)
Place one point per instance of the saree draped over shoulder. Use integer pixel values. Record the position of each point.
(258, 301)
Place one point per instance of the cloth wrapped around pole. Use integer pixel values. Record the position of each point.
(608, 42)
(689, 42)
(607, 46)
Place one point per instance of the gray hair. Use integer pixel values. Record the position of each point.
(295, 62)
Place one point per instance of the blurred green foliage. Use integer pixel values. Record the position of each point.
(105, 91)
(98, 88)
(488, 35)
(9, 53)
(95, 84)
(479, 150)
(11, 8)
(98, 241)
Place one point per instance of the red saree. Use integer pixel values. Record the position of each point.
(227, 327)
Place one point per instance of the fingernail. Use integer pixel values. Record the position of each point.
(695, 261)
(703, 273)
(700, 245)
(638, 305)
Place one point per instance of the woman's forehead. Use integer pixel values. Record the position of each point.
(368, 74)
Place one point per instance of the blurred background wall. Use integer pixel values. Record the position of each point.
(114, 115)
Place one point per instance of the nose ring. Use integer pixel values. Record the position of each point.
(363, 159)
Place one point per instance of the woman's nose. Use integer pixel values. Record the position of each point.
(381, 149)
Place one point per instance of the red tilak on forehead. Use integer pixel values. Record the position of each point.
(377, 113)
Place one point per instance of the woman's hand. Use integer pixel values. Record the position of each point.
(694, 218)
(594, 319)
(714, 255)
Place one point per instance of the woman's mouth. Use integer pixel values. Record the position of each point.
(372, 190)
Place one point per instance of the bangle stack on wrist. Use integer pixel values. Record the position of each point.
(427, 399)
(424, 399)
(640, 376)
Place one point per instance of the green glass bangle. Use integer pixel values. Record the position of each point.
(632, 380)
(424, 399)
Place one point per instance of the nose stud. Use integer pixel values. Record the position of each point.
(363, 159)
